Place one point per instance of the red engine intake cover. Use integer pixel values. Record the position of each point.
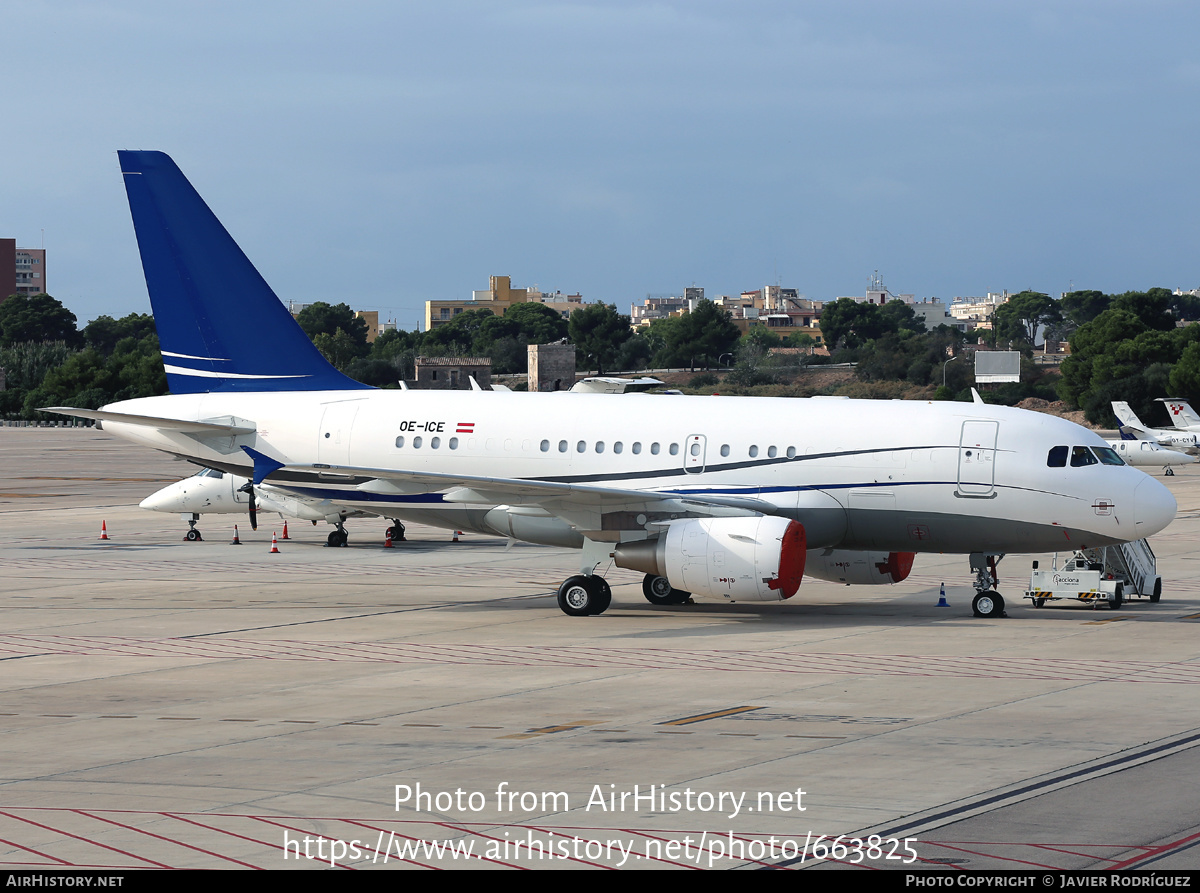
(793, 551)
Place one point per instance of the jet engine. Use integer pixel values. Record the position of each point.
(737, 558)
(861, 568)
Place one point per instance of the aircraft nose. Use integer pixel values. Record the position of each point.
(168, 499)
(1153, 507)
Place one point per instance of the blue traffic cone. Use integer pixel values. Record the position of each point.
(942, 603)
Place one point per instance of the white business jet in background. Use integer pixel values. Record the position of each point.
(1144, 453)
(735, 498)
(1132, 428)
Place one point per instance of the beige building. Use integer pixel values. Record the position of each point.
(498, 297)
(371, 318)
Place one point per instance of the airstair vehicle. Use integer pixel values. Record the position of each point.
(1110, 574)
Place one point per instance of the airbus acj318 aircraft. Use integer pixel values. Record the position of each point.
(737, 498)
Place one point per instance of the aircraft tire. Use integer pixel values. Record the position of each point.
(1118, 598)
(337, 538)
(659, 591)
(193, 536)
(603, 593)
(988, 604)
(577, 596)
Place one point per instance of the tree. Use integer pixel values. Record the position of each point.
(847, 323)
(635, 353)
(1020, 318)
(457, 337)
(37, 318)
(1079, 307)
(701, 336)
(104, 332)
(339, 348)
(1118, 356)
(536, 322)
(1152, 307)
(323, 318)
(598, 331)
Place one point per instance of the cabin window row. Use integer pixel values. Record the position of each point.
(434, 443)
(600, 446)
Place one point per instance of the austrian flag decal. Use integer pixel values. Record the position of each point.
(465, 428)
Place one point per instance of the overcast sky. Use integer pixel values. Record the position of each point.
(387, 153)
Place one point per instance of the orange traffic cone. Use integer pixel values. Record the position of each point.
(274, 544)
(103, 531)
(285, 536)
(457, 534)
(236, 540)
(387, 542)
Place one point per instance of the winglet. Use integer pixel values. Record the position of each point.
(263, 465)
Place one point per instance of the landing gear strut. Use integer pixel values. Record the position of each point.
(193, 535)
(987, 602)
(338, 537)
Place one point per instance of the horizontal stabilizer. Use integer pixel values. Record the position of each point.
(146, 421)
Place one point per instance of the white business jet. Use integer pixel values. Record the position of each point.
(1133, 429)
(735, 498)
(1141, 453)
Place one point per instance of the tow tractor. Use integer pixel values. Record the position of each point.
(1111, 574)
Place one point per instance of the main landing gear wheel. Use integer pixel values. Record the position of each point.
(988, 604)
(580, 596)
(337, 538)
(396, 531)
(658, 591)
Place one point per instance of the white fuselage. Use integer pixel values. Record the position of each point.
(890, 475)
(1147, 453)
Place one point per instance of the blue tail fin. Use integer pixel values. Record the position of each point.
(220, 326)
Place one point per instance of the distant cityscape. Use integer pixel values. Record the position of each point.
(782, 310)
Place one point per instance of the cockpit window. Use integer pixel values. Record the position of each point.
(1057, 457)
(1107, 456)
(211, 473)
(1081, 456)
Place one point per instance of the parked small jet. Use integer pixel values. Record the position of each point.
(1140, 453)
(724, 497)
(1132, 428)
(213, 492)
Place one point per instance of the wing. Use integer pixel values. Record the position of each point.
(584, 506)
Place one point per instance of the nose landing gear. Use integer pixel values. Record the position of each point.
(987, 602)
